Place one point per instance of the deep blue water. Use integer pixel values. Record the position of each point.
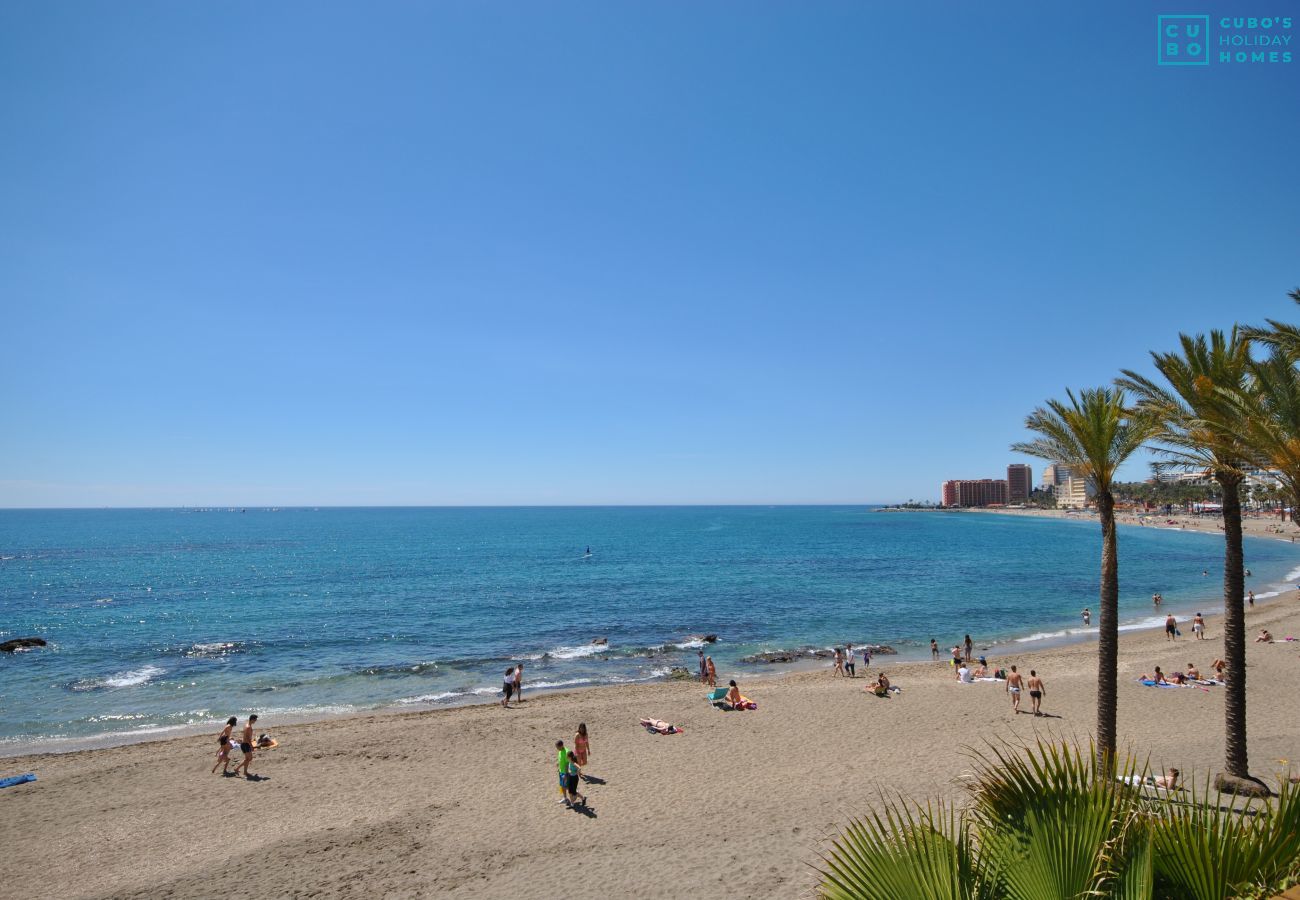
(162, 619)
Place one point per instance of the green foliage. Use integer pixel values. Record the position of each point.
(1051, 823)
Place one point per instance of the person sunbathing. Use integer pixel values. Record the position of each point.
(1264, 637)
(881, 686)
(982, 672)
(1157, 677)
(659, 726)
(1177, 678)
(1193, 672)
(1168, 781)
(737, 700)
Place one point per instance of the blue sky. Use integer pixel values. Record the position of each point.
(460, 253)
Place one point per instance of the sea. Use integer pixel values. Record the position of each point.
(161, 621)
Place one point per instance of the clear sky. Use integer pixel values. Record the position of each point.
(605, 252)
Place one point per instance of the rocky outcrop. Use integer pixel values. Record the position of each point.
(600, 642)
(679, 673)
(16, 644)
(789, 656)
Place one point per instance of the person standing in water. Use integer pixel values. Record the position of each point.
(968, 646)
(934, 650)
(1087, 616)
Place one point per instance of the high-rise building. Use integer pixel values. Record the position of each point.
(1020, 481)
(981, 492)
(1054, 474)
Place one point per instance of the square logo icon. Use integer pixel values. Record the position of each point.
(1183, 40)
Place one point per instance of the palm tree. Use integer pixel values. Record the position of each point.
(1270, 409)
(1094, 434)
(1201, 427)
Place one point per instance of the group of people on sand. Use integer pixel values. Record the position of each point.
(569, 763)
(513, 685)
(247, 746)
(1192, 675)
(846, 660)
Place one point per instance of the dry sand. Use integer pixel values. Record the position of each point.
(463, 802)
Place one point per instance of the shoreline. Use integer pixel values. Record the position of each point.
(1003, 646)
(418, 802)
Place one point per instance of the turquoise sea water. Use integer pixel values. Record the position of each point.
(166, 619)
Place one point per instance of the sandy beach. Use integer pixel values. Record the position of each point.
(1252, 524)
(463, 802)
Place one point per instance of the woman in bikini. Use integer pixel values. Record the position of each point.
(581, 744)
(223, 743)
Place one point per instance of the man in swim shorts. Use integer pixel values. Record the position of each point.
(1198, 627)
(1014, 682)
(1036, 692)
(1171, 628)
(247, 747)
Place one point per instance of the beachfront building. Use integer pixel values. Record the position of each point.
(1020, 482)
(1074, 493)
(1056, 474)
(974, 492)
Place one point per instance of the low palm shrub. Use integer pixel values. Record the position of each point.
(1046, 823)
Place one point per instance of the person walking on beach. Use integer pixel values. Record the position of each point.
(967, 645)
(1036, 692)
(956, 655)
(1171, 628)
(508, 686)
(562, 768)
(1198, 627)
(1015, 681)
(704, 670)
(223, 755)
(839, 662)
(519, 683)
(849, 668)
(710, 672)
(934, 650)
(1087, 616)
(246, 747)
(1250, 598)
(574, 776)
(581, 744)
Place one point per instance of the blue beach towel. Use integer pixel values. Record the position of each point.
(1149, 683)
(17, 779)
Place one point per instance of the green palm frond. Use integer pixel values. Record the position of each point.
(1092, 432)
(904, 853)
(1197, 419)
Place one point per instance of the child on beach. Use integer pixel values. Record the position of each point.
(581, 744)
(574, 775)
(934, 649)
(562, 769)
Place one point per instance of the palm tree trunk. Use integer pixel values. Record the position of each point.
(1234, 628)
(1108, 640)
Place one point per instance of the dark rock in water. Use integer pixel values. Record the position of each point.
(878, 649)
(710, 639)
(679, 673)
(600, 642)
(15, 644)
(789, 656)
